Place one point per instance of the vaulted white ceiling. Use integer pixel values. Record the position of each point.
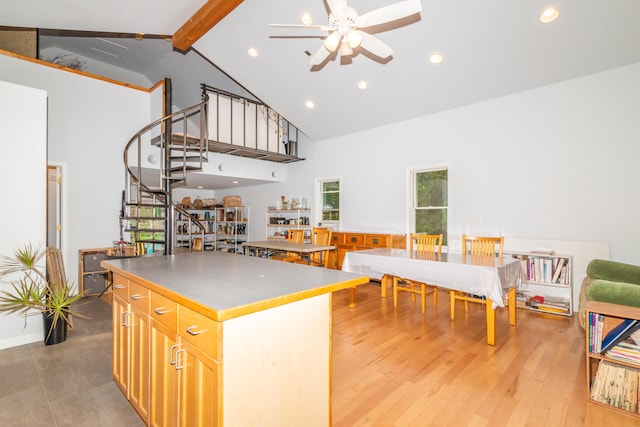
(491, 48)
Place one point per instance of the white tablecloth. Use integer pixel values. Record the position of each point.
(491, 277)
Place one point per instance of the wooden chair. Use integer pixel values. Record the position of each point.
(295, 235)
(482, 250)
(319, 236)
(426, 246)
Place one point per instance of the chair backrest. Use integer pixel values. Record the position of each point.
(426, 242)
(296, 235)
(55, 267)
(482, 246)
(321, 236)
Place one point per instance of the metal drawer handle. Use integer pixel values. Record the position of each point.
(161, 311)
(178, 367)
(136, 297)
(173, 360)
(119, 286)
(192, 332)
(124, 319)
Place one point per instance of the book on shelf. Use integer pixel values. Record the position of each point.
(616, 386)
(619, 333)
(557, 270)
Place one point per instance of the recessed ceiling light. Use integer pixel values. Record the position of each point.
(252, 52)
(309, 104)
(549, 15)
(200, 187)
(306, 18)
(235, 182)
(362, 85)
(436, 58)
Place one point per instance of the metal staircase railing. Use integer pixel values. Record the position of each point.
(148, 184)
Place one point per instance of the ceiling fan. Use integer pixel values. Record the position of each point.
(346, 28)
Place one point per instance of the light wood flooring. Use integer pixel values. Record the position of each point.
(398, 367)
(391, 367)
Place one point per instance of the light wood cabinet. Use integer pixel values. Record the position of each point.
(164, 376)
(350, 241)
(131, 343)
(199, 376)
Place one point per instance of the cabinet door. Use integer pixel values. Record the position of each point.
(164, 376)
(121, 343)
(199, 387)
(139, 363)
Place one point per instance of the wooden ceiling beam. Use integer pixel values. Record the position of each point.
(204, 19)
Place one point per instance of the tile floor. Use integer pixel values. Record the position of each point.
(67, 384)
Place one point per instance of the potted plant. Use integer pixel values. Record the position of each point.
(31, 290)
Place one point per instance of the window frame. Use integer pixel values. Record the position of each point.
(333, 224)
(413, 208)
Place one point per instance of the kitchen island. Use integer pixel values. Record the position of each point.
(213, 339)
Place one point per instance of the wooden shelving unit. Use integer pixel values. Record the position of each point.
(92, 278)
(549, 276)
(618, 391)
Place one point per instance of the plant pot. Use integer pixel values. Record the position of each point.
(54, 335)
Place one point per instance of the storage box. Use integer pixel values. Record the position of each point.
(232, 201)
(94, 283)
(91, 261)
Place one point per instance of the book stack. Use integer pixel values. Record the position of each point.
(624, 330)
(616, 386)
(545, 270)
(550, 304)
(627, 350)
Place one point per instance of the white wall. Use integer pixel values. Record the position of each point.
(557, 163)
(23, 143)
(90, 121)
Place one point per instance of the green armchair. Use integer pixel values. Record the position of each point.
(612, 282)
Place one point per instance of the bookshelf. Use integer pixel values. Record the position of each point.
(547, 282)
(611, 382)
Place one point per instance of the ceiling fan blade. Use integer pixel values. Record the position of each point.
(374, 45)
(338, 8)
(389, 13)
(320, 55)
(313, 27)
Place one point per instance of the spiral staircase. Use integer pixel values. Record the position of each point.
(181, 145)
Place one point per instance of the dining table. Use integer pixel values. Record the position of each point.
(266, 248)
(492, 278)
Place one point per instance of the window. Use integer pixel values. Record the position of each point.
(330, 201)
(430, 201)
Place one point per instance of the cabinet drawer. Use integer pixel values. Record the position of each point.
(139, 297)
(199, 330)
(337, 239)
(121, 287)
(354, 239)
(378, 241)
(164, 310)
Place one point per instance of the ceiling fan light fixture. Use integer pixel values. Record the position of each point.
(354, 38)
(345, 49)
(549, 15)
(332, 41)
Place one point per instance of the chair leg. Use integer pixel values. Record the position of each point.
(423, 297)
(466, 306)
(395, 291)
(435, 296)
(452, 303)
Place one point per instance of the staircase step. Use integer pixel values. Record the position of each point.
(188, 159)
(156, 242)
(146, 205)
(187, 168)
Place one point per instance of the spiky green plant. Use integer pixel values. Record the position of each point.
(32, 291)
